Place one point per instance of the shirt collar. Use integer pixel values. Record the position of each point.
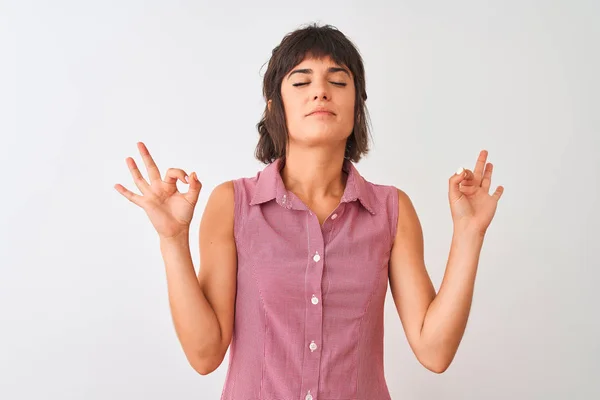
(270, 186)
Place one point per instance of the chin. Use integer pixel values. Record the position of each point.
(320, 133)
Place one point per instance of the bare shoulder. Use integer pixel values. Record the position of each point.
(221, 199)
(408, 221)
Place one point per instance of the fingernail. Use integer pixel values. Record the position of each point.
(186, 179)
(460, 171)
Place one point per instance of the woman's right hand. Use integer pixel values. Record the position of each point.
(169, 210)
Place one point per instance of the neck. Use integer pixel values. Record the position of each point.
(314, 175)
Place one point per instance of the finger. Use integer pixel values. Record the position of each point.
(128, 194)
(455, 181)
(468, 185)
(173, 174)
(138, 179)
(153, 172)
(194, 190)
(479, 165)
(469, 179)
(487, 177)
(498, 193)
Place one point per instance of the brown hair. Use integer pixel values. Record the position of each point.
(314, 41)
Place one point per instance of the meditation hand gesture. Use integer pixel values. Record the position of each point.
(471, 205)
(169, 210)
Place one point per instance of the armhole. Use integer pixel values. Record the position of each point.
(394, 214)
(238, 217)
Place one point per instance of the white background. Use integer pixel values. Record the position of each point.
(83, 302)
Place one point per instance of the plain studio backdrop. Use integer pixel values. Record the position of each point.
(83, 302)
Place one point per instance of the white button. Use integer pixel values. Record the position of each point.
(314, 299)
(308, 396)
(334, 216)
(317, 257)
(312, 346)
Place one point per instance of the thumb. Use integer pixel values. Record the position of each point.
(194, 190)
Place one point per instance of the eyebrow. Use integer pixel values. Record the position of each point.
(309, 71)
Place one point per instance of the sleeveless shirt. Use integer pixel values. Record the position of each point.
(310, 298)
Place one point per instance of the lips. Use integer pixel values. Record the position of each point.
(322, 111)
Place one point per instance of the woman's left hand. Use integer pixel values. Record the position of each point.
(471, 205)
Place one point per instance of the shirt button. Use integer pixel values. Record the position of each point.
(314, 300)
(317, 257)
(312, 346)
(334, 216)
(308, 396)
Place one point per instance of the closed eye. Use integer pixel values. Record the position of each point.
(306, 83)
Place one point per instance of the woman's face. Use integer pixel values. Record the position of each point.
(313, 85)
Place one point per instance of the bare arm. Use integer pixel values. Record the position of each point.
(202, 306)
(434, 324)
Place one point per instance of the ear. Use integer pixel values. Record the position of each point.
(269, 104)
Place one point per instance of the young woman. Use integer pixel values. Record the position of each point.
(296, 260)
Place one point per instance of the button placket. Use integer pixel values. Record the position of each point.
(314, 313)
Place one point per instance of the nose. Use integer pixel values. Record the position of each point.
(321, 92)
(321, 96)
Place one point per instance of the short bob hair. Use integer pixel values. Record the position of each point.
(318, 42)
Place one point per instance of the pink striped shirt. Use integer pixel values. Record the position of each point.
(310, 297)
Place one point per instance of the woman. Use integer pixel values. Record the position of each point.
(295, 261)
